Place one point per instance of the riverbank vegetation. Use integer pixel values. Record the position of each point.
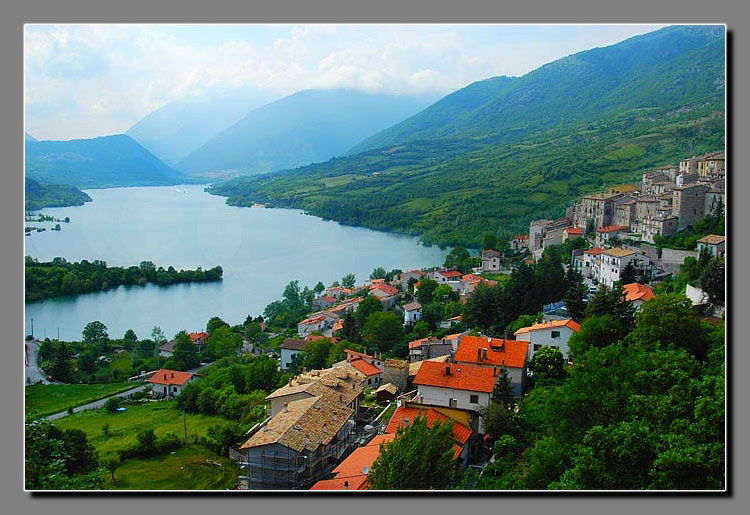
(39, 196)
(59, 277)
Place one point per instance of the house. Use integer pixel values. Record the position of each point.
(290, 348)
(351, 473)
(460, 433)
(169, 383)
(342, 383)
(457, 386)
(455, 339)
(598, 209)
(663, 224)
(199, 339)
(711, 164)
(554, 333)
(604, 235)
(167, 350)
(637, 294)
(299, 445)
(449, 277)
(410, 276)
(426, 348)
(334, 291)
(312, 324)
(396, 371)
(713, 244)
(591, 259)
(372, 360)
(416, 365)
(386, 392)
(614, 260)
(412, 312)
(450, 322)
(571, 233)
(483, 351)
(323, 303)
(383, 290)
(491, 260)
(373, 374)
(520, 242)
(469, 283)
(689, 203)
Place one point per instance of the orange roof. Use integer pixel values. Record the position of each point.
(338, 325)
(357, 354)
(418, 343)
(315, 337)
(462, 377)
(594, 251)
(521, 237)
(460, 433)
(451, 273)
(573, 230)
(327, 299)
(366, 368)
(470, 277)
(312, 320)
(170, 377)
(343, 483)
(568, 322)
(417, 272)
(349, 474)
(198, 336)
(512, 353)
(613, 228)
(385, 288)
(637, 291)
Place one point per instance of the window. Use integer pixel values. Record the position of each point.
(537, 346)
(174, 389)
(474, 399)
(369, 381)
(452, 403)
(555, 334)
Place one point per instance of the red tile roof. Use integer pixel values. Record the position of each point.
(349, 474)
(357, 354)
(315, 337)
(293, 344)
(338, 325)
(451, 273)
(385, 288)
(327, 299)
(637, 291)
(462, 377)
(593, 251)
(198, 336)
(573, 230)
(512, 353)
(344, 483)
(312, 320)
(418, 343)
(412, 306)
(170, 377)
(366, 368)
(551, 325)
(460, 433)
(613, 228)
(521, 237)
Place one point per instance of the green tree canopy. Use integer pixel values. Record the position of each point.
(418, 458)
(548, 366)
(378, 273)
(426, 290)
(348, 281)
(382, 330)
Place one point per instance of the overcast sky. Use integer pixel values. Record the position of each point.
(84, 81)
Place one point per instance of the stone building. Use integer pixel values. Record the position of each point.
(689, 203)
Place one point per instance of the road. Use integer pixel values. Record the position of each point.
(100, 402)
(34, 374)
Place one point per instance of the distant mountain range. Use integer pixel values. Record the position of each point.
(308, 126)
(105, 162)
(177, 129)
(502, 151)
(28, 137)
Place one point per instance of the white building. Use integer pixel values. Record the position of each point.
(412, 312)
(614, 260)
(554, 333)
(169, 383)
(290, 348)
(713, 244)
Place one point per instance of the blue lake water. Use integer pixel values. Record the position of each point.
(260, 250)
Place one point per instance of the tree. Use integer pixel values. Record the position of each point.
(111, 462)
(575, 301)
(338, 351)
(548, 366)
(146, 439)
(319, 288)
(596, 331)
(130, 336)
(82, 456)
(222, 342)
(96, 333)
(627, 275)
(158, 336)
(112, 404)
(522, 321)
(315, 353)
(382, 330)
(489, 241)
(458, 258)
(348, 281)
(442, 293)
(612, 301)
(185, 353)
(214, 323)
(418, 458)
(426, 290)
(350, 327)
(146, 348)
(60, 362)
(378, 273)
(366, 308)
(712, 280)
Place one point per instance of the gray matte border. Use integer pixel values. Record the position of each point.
(14, 500)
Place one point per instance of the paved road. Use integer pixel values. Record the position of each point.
(100, 402)
(34, 374)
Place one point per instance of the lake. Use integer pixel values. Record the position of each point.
(260, 250)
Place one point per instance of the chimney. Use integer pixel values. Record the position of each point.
(479, 354)
(494, 371)
(172, 374)
(325, 429)
(335, 417)
(290, 381)
(286, 407)
(346, 485)
(447, 370)
(489, 339)
(165, 376)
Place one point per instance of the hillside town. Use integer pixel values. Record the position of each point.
(326, 427)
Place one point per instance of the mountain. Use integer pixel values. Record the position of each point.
(503, 151)
(52, 195)
(106, 162)
(28, 137)
(178, 128)
(306, 127)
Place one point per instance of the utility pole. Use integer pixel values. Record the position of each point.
(184, 425)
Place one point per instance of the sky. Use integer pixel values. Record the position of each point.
(84, 81)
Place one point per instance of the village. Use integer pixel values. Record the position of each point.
(319, 432)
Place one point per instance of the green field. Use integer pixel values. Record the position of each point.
(163, 417)
(185, 469)
(45, 399)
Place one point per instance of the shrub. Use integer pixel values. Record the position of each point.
(112, 404)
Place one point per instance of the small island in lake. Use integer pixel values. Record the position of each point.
(59, 277)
